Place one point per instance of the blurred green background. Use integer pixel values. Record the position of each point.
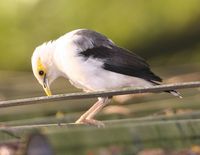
(166, 33)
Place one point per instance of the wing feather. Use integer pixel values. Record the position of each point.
(116, 59)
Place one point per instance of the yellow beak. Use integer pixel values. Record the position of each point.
(46, 86)
(47, 91)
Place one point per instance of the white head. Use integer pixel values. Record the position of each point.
(43, 65)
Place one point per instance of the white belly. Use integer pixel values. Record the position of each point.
(89, 75)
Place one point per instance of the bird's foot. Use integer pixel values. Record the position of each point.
(93, 122)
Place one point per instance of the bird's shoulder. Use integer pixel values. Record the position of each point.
(87, 39)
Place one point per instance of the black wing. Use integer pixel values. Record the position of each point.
(122, 61)
(115, 59)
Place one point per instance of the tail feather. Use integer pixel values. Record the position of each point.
(175, 93)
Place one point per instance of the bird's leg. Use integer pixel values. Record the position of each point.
(104, 102)
(87, 117)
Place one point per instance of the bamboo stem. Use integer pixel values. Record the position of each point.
(72, 96)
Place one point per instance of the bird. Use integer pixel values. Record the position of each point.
(91, 62)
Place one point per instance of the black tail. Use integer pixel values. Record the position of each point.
(173, 92)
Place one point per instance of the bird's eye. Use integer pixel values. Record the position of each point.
(41, 72)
